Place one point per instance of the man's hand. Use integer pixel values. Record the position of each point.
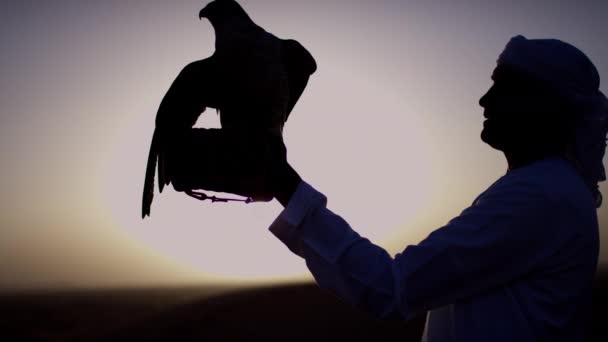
(285, 178)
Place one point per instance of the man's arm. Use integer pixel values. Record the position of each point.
(324, 240)
(489, 244)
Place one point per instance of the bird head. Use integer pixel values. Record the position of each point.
(220, 11)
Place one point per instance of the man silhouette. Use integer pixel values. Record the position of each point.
(518, 264)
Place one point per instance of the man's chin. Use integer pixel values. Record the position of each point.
(491, 140)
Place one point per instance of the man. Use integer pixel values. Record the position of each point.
(518, 264)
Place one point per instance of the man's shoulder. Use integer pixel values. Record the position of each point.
(547, 197)
(553, 181)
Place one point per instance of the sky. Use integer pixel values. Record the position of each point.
(388, 128)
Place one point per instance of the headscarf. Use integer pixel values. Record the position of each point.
(571, 75)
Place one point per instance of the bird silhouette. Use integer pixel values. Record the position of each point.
(253, 79)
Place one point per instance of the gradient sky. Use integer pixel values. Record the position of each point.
(388, 128)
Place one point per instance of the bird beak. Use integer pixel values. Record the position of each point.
(203, 13)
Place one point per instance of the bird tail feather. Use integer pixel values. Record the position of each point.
(148, 193)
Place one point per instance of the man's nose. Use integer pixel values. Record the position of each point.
(484, 100)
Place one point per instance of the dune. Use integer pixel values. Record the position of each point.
(204, 313)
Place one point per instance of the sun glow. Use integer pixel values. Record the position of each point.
(373, 172)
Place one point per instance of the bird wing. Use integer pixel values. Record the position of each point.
(299, 65)
(188, 96)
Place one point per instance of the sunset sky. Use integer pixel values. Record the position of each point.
(388, 128)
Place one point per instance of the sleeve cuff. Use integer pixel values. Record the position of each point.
(302, 202)
(285, 227)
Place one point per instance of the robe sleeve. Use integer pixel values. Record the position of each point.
(506, 233)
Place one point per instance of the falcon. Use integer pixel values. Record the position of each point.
(253, 79)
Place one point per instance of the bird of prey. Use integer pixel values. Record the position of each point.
(253, 79)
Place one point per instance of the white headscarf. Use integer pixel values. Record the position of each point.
(569, 72)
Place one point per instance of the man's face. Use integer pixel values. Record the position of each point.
(514, 111)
